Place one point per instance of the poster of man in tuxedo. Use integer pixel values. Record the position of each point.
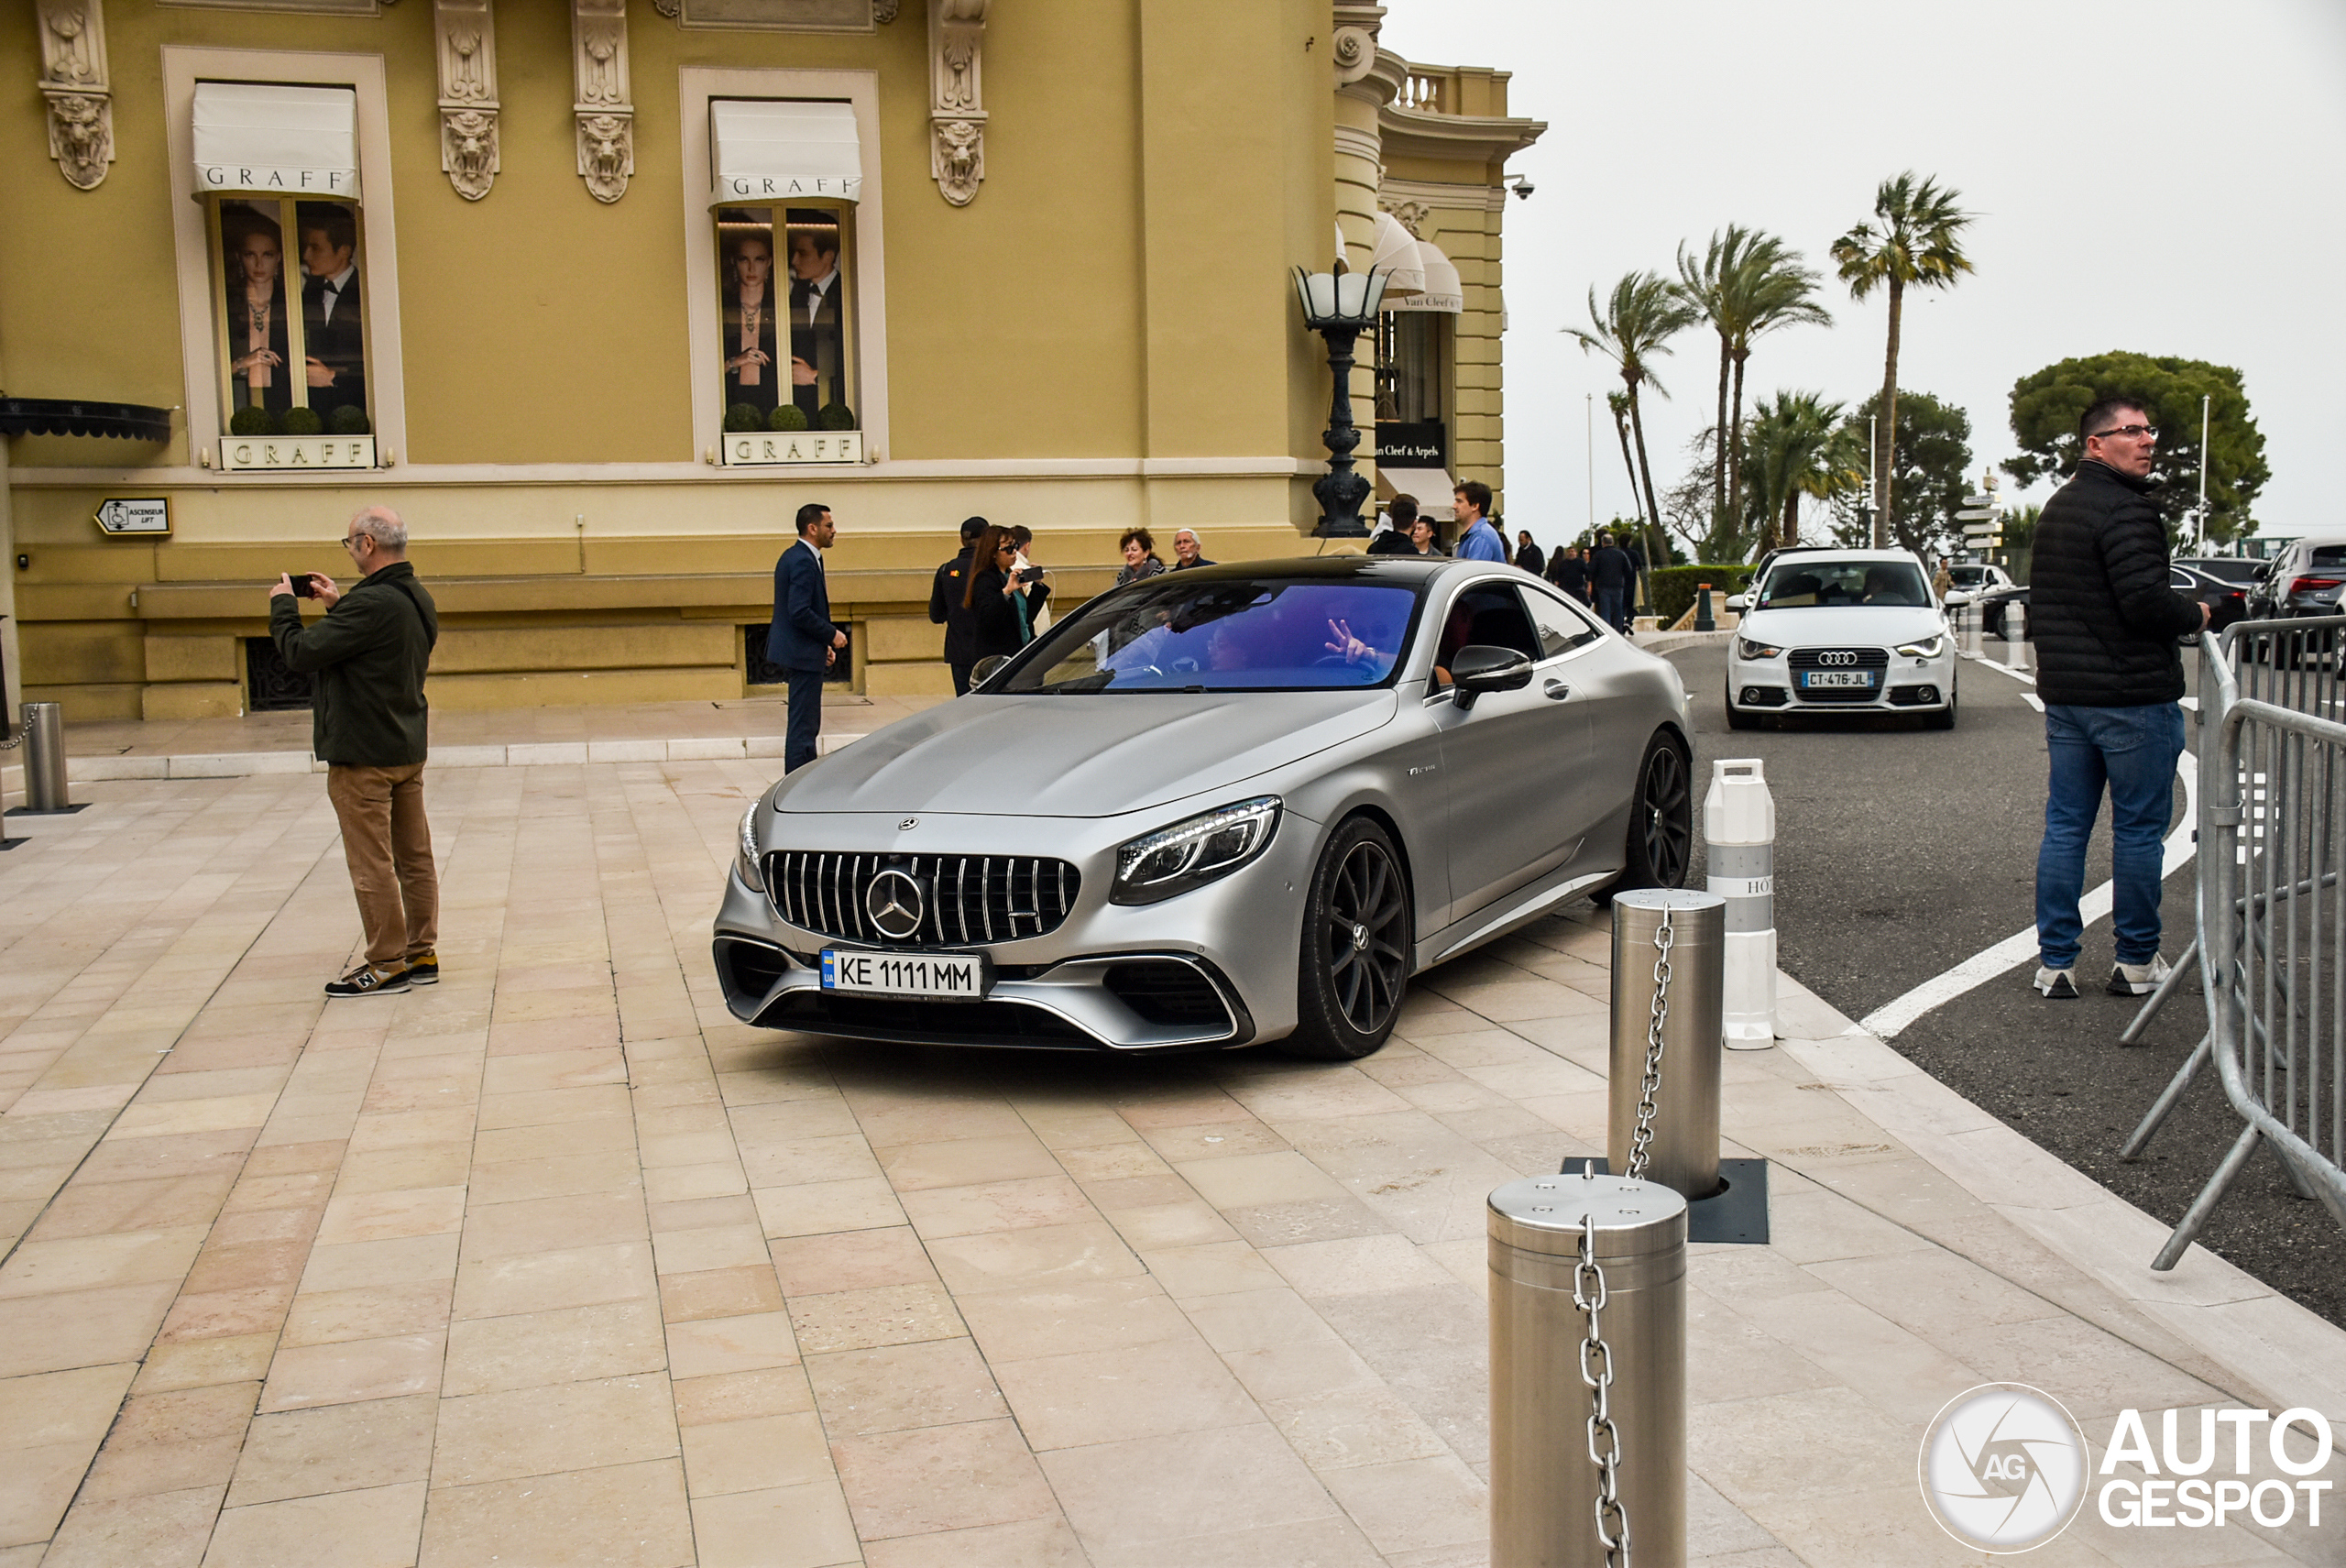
(333, 319)
(817, 310)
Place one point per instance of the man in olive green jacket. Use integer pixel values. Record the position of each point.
(365, 662)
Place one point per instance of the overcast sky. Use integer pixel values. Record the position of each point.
(2147, 175)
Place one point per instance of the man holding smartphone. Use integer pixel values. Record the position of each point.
(365, 662)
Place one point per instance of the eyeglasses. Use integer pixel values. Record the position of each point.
(2130, 432)
(350, 541)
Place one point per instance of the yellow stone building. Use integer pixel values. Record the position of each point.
(597, 293)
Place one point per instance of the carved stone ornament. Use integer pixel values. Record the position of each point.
(1409, 214)
(73, 81)
(1354, 53)
(465, 33)
(605, 106)
(882, 11)
(957, 151)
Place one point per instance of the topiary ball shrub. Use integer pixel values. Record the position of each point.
(252, 422)
(347, 420)
(835, 416)
(786, 416)
(743, 416)
(302, 422)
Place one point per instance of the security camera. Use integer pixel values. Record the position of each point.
(1521, 187)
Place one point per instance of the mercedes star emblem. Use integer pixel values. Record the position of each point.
(908, 824)
(896, 903)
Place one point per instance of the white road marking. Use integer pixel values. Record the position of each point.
(2032, 700)
(2002, 669)
(1889, 1019)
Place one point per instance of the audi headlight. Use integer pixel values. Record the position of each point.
(1747, 649)
(745, 860)
(1192, 853)
(1928, 648)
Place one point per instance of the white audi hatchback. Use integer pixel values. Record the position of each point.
(1841, 631)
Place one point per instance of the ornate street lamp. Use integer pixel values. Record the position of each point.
(1339, 306)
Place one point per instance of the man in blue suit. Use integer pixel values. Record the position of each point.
(802, 639)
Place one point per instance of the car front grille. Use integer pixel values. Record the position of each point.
(970, 900)
(1874, 659)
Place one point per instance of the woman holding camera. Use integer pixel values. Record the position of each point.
(994, 594)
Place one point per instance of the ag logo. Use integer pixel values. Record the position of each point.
(2003, 1467)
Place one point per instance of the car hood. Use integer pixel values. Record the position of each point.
(1079, 756)
(1842, 625)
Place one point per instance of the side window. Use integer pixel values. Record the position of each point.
(1562, 628)
(1485, 615)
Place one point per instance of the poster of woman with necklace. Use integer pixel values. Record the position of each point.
(253, 252)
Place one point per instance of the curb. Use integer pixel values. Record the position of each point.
(2279, 1352)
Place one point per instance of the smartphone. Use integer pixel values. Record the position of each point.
(303, 588)
(1031, 575)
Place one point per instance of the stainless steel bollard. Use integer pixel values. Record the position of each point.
(1543, 1482)
(1685, 1153)
(45, 757)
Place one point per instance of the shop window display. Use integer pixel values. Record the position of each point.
(787, 318)
(293, 324)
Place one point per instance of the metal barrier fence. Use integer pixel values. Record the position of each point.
(2272, 909)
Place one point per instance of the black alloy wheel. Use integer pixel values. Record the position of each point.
(1661, 817)
(1356, 947)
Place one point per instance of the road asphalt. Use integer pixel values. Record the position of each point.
(1900, 853)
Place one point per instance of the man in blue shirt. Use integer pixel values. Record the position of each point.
(1477, 540)
(802, 639)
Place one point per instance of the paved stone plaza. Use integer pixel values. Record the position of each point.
(557, 1264)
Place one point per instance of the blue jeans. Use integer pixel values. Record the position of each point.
(806, 720)
(2132, 750)
(1609, 610)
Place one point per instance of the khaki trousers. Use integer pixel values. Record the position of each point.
(388, 844)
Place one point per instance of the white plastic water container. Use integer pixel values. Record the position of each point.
(1739, 827)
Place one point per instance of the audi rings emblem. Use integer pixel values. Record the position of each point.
(1838, 656)
(896, 903)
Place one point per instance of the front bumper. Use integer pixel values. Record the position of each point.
(1209, 968)
(1906, 685)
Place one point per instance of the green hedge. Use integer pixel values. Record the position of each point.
(1672, 587)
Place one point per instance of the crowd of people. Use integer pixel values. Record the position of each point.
(1606, 575)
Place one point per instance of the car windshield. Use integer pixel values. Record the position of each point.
(1177, 633)
(1808, 583)
(1967, 576)
(2231, 568)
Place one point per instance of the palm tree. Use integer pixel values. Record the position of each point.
(1619, 403)
(1915, 239)
(1797, 447)
(1635, 326)
(1747, 283)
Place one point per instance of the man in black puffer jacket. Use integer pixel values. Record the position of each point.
(2109, 669)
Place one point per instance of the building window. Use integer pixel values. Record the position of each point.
(788, 317)
(1410, 365)
(290, 366)
(277, 168)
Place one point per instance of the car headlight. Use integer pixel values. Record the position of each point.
(1747, 649)
(1192, 853)
(745, 861)
(1928, 648)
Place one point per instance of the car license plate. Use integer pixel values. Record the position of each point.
(946, 977)
(1860, 678)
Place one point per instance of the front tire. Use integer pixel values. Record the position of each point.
(1661, 816)
(1357, 947)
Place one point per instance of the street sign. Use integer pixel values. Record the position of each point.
(1986, 499)
(1981, 516)
(147, 514)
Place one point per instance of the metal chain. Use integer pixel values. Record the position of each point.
(1604, 1437)
(1641, 1141)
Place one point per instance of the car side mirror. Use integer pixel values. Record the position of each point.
(1479, 667)
(1735, 603)
(983, 670)
(1956, 598)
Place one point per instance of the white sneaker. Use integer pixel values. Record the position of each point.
(2057, 984)
(2139, 980)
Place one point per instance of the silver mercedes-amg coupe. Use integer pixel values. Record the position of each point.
(1239, 803)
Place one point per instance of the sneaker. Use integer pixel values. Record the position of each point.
(2139, 980)
(424, 970)
(2057, 984)
(368, 980)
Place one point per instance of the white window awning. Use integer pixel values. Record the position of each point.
(258, 137)
(777, 150)
(1429, 488)
(1442, 291)
(1396, 255)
